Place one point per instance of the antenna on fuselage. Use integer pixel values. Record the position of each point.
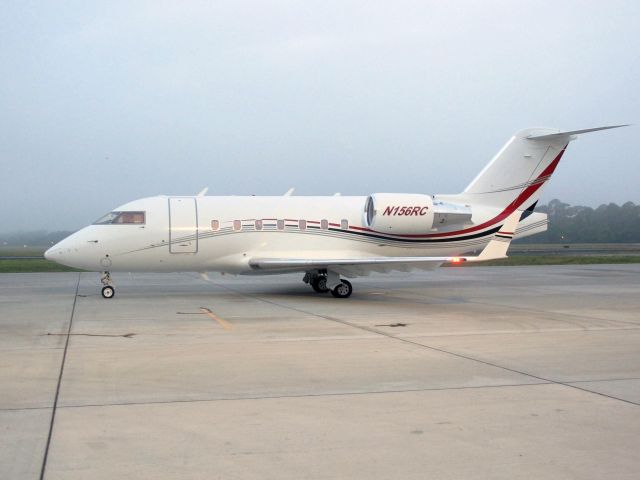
(203, 192)
(289, 192)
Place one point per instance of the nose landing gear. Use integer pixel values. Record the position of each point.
(108, 291)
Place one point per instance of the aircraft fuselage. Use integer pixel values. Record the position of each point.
(223, 233)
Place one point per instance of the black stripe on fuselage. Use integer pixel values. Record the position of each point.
(419, 240)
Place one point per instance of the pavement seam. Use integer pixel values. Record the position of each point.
(368, 392)
(302, 395)
(326, 394)
(62, 363)
(430, 347)
(518, 308)
(526, 332)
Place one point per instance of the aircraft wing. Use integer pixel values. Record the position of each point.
(350, 267)
(359, 266)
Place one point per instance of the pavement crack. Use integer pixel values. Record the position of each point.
(125, 335)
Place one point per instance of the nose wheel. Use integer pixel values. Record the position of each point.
(108, 291)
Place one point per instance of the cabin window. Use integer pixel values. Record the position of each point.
(302, 224)
(280, 224)
(344, 224)
(258, 224)
(237, 225)
(122, 218)
(324, 224)
(215, 225)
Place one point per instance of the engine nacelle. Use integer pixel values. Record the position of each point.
(400, 213)
(408, 213)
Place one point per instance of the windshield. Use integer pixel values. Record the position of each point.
(121, 218)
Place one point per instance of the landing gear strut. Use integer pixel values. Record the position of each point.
(319, 284)
(317, 281)
(107, 291)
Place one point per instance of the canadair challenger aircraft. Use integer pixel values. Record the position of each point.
(326, 238)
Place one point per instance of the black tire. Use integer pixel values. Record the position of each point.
(108, 292)
(343, 290)
(319, 284)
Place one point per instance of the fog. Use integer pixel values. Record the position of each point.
(102, 103)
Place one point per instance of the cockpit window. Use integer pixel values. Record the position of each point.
(122, 218)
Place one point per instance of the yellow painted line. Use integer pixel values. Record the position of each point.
(221, 321)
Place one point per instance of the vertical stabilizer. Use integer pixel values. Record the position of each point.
(521, 167)
(515, 176)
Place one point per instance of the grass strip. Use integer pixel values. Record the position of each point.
(42, 265)
(33, 265)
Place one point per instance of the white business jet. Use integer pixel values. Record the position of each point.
(326, 238)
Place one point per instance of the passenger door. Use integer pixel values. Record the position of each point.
(183, 225)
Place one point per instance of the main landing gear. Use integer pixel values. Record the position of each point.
(325, 281)
(107, 291)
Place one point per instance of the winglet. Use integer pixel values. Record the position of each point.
(554, 136)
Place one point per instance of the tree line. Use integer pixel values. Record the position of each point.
(608, 223)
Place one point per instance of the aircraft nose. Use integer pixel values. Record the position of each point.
(77, 251)
(54, 253)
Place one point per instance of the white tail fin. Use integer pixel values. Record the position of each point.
(521, 167)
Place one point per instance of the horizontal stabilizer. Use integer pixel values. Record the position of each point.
(554, 136)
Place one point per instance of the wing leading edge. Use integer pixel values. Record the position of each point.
(358, 266)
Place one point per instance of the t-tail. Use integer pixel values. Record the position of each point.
(514, 178)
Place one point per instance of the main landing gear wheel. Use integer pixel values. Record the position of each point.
(319, 284)
(108, 291)
(343, 289)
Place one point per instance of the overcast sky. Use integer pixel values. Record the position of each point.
(102, 103)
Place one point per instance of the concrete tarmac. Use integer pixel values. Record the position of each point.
(496, 373)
